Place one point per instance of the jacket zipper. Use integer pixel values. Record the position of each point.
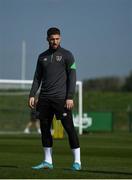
(51, 58)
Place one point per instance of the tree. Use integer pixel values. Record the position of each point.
(128, 83)
(103, 84)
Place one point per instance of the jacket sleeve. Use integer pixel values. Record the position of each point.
(71, 75)
(37, 80)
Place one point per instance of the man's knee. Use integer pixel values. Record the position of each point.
(67, 122)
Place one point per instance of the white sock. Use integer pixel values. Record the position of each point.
(26, 130)
(76, 155)
(48, 154)
(39, 131)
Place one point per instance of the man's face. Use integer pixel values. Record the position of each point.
(54, 41)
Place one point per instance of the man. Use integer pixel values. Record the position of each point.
(34, 120)
(56, 73)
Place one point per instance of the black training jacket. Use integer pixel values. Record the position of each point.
(56, 73)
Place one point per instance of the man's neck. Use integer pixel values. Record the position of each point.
(53, 50)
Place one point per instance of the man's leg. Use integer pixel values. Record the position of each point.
(45, 116)
(65, 116)
(47, 141)
(67, 122)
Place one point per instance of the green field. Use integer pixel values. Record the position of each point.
(104, 155)
(14, 111)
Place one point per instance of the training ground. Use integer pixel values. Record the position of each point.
(104, 155)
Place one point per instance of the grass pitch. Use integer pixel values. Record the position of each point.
(104, 155)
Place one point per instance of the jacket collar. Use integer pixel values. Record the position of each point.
(54, 50)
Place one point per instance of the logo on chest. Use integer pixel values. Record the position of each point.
(44, 59)
(58, 58)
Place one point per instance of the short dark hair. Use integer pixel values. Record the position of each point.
(53, 30)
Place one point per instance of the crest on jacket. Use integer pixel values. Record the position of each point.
(58, 58)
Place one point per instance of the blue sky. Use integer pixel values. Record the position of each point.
(98, 32)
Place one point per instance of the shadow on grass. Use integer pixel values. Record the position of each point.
(8, 166)
(82, 170)
(100, 171)
(110, 172)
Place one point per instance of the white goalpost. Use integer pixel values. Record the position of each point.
(6, 84)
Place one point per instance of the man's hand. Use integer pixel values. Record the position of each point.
(69, 104)
(31, 102)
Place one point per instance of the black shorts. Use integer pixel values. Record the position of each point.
(48, 107)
